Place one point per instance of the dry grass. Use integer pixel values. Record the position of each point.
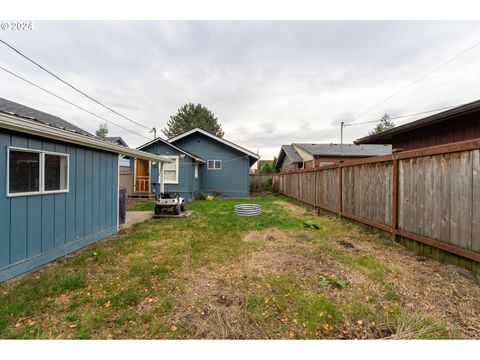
(257, 278)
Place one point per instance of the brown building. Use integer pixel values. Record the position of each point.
(306, 156)
(457, 124)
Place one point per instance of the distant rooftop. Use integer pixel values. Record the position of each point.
(292, 153)
(13, 108)
(117, 140)
(347, 150)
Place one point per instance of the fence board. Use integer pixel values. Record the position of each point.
(438, 195)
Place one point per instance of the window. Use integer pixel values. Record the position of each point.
(56, 172)
(32, 172)
(196, 171)
(24, 172)
(170, 170)
(326, 163)
(214, 164)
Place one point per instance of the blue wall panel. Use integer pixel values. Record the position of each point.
(233, 179)
(185, 170)
(70, 208)
(34, 210)
(4, 203)
(36, 229)
(80, 193)
(88, 210)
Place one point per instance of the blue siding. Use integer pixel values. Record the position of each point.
(39, 228)
(185, 170)
(233, 179)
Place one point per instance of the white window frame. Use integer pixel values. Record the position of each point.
(214, 168)
(41, 166)
(177, 161)
(196, 171)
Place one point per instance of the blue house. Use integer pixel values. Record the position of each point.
(202, 162)
(58, 187)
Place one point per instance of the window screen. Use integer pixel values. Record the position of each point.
(24, 172)
(56, 169)
(214, 164)
(170, 171)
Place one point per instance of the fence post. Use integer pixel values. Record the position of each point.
(394, 196)
(315, 190)
(340, 188)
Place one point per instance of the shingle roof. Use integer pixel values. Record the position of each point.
(348, 149)
(10, 107)
(385, 137)
(117, 140)
(292, 153)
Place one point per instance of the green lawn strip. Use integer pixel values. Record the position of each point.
(104, 290)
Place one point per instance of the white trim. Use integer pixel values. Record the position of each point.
(226, 142)
(214, 168)
(195, 171)
(173, 146)
(28, 126)
(41, 172)
(176, 157)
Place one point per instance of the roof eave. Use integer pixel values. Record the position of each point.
(224, 141)
(196, 158)
(20, 124)
(385, 137)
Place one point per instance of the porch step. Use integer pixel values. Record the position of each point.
(141, 196)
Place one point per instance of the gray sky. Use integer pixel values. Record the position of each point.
(269, 83)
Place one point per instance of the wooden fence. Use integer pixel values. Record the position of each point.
(430, 195)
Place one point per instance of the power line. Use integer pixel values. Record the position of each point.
(417, 80)
(404, 116)
(72, 86)
(71, 103)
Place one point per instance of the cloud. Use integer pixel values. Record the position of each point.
(268, 82)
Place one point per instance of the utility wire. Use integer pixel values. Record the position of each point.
(404, 116)
(72, 86)
(416, 81)
(71, 103)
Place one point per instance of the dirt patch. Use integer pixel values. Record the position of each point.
(294, 209)
(212, 301)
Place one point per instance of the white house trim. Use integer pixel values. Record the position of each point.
(174, 147)
(177, 175)
(226, 142)
(41, 172)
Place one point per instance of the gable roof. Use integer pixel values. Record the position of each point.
(13, 108)
(195, 157)
(350, 150)
(117, 140)
(385, 137)
(289, 152)
(223, 141)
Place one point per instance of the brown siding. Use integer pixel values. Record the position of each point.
(463, 128)
(334, 159)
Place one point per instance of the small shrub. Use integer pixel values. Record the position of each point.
(217, 192)
(332, 282)
(200, 196)
(310, 225)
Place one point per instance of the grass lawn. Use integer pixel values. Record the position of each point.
(285, 274)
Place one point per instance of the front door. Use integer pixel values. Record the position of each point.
(142, 180)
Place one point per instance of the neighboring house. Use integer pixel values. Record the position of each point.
(289, 159)
(457, 124)
(58, 188)
(124, 160)
(308, 156)
(117, 140)
(202, 162)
